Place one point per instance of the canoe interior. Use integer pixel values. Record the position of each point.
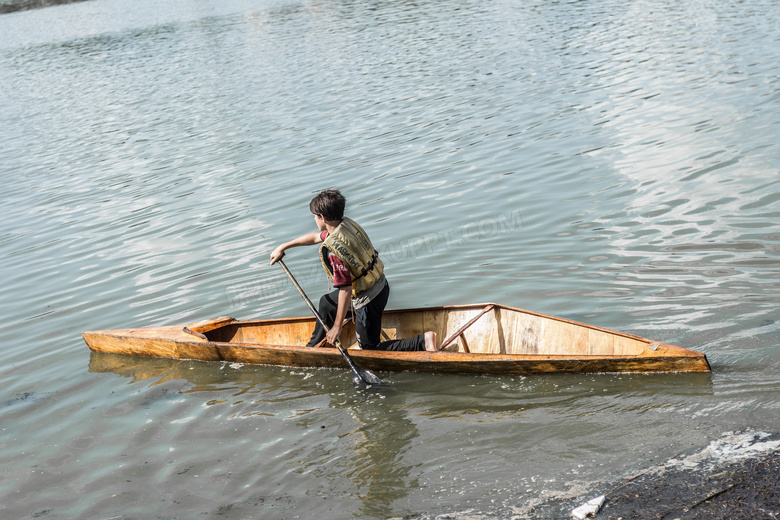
(501, 330)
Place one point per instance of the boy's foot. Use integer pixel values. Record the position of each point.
(430, 341)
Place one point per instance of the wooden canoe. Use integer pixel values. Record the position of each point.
(486, 339)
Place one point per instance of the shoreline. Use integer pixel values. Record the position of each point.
(743, 489)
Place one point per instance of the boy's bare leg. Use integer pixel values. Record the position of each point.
(430, 341)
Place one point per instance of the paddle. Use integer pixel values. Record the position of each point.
(359, 376)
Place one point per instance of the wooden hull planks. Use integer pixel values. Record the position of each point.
(486, 339)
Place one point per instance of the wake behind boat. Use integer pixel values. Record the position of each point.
(485, 339)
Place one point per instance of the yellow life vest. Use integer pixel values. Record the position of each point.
(350, 243)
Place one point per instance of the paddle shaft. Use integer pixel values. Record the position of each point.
(359, 375)
(305, 298)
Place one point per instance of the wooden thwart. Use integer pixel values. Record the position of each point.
(461, 330)
(200, 328)
(195, 333)
(465, 344)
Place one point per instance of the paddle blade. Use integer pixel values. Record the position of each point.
(359, 375)
(369, 378)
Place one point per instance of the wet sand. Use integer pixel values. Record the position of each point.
(742, 490)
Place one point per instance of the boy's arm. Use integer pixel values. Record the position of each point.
(309, 239)
(345, 299)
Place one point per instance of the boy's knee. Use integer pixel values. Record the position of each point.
(327, 304)
(365, 342)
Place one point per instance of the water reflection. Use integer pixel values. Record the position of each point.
(372, 438)
(370, 449)
(380, 442)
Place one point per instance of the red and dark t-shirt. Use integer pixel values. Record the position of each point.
(341, 276)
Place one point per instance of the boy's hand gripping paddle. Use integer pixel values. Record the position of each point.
(359, 376)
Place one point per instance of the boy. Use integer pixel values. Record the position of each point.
(353, 266)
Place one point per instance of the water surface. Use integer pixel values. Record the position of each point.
(608, 162)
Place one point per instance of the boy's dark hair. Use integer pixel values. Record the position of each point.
(328, 203)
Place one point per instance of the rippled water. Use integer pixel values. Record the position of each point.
(609, 162)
